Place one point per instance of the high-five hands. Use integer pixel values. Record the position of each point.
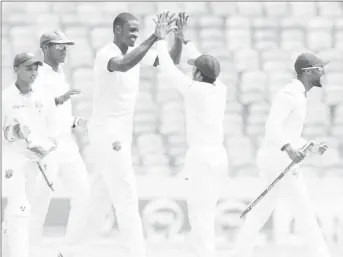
(181, 24)
(165, 23)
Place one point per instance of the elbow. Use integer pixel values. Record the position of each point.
(176, 58)
(123, 68)
(8, 134)
(177, 61)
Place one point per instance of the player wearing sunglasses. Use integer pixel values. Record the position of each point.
(52, 82)
(280, 146)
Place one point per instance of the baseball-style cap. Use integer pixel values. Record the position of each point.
(26, 59)
(56, 37)
(207, 64)
(306, 60)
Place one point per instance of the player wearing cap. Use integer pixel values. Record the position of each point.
(206, 160)
(52, 82)
(281, 145)
(27, 126)
(116, 74)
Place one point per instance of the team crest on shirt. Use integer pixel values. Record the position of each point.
(18, 106)
(116, 145)
(8, 173)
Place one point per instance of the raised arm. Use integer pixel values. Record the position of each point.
(174, 52)
(128, 61)
(167, 66)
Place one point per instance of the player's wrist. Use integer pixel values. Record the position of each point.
(58, 101)
(154, 37)
(185, 42)
(76, 122)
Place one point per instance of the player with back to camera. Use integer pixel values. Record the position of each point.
(116, 77)
(72, 170)
(27, 126)
(282, 143)
(206, 161)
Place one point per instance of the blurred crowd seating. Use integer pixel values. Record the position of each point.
(256, 43)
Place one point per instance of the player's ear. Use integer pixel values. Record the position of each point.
(117, 30)
(199, 75)
(44, 48)
(16, 69)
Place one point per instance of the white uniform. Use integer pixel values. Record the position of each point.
(284, 125)
(206, 161)
(71, 167)
(34, 111)
(114, 101)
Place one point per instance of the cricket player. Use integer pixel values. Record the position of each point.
(116, 75)
(52, 82)
(27, 130)
(206, 161)
(280, 146)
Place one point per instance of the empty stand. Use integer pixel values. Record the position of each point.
(303, 9)
(250, 8)
(276, 9)
(253, 86)
(223, 9)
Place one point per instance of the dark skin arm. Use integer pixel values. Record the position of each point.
(128, 61)
(175, 52)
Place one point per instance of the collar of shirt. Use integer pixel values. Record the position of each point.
(47, 67)
(299, 87)
(17, 91)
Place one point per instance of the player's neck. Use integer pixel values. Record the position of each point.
(123, 48)
(23, 86)
(52, 64)
(306, 84)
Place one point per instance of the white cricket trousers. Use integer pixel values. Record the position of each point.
(73, 173)
(18, 210)
(115, 184)
(293, 191)
(205, 170)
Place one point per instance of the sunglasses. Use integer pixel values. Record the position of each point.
(320, 69)
(60, 47)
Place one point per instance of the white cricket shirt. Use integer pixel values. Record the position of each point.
(287, 117)
(54, 84)
(115, 94)
(204, 103)
(33, 109)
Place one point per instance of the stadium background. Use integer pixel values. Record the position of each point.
(257, 44)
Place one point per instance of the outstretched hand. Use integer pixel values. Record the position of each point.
(165, 23)
(181, 24)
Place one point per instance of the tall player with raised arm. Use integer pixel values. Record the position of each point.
(116, 75)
